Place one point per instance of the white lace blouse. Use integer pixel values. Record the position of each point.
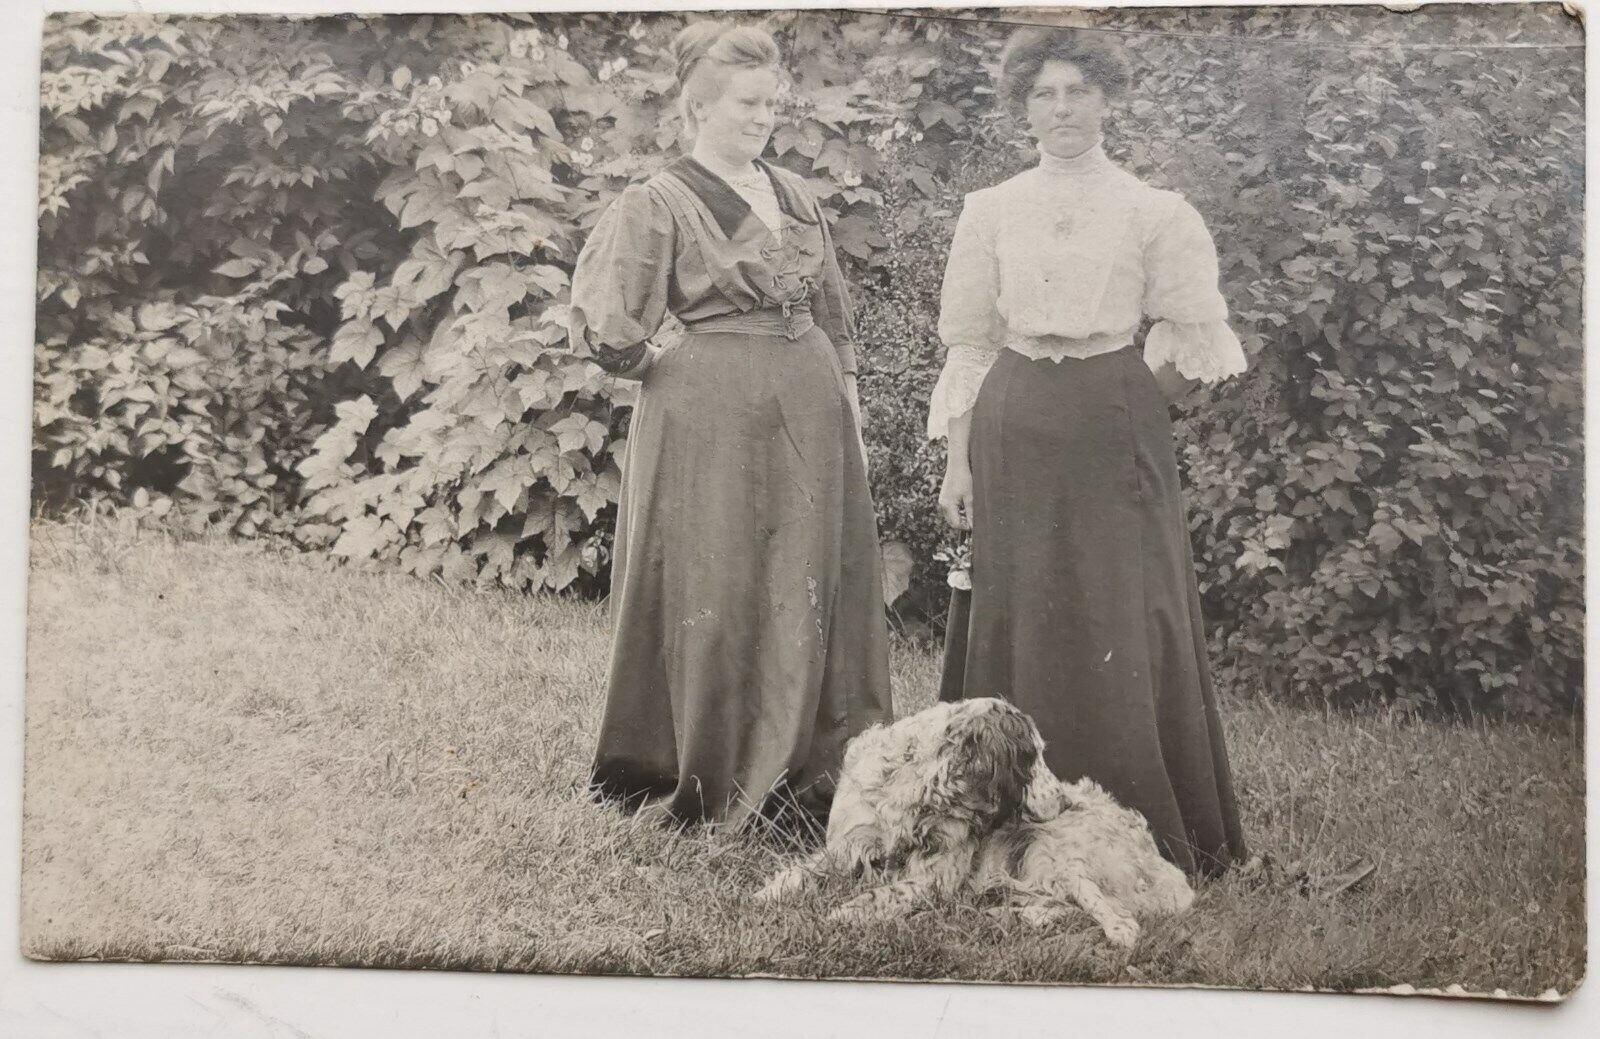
(1065, 260)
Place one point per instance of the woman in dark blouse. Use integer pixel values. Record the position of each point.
(749, 641)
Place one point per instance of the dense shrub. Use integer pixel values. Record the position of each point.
(308, 278)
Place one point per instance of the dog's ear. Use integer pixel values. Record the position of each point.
(1047, 797)
(1017, 752)
(986, 760)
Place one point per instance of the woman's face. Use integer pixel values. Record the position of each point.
(735, 126)
(1064, 110)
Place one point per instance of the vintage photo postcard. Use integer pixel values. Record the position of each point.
(1051, 495)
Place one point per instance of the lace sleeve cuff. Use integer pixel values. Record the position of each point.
(957, 389)
(1206, 350)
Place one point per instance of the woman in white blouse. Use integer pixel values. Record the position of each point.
(1084, 606)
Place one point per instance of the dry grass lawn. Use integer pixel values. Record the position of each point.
(239, 755)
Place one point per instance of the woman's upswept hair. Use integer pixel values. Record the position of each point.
(1102, 62)
(706, 52)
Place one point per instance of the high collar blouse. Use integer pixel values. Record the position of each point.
(1066, 260)
(685, 242)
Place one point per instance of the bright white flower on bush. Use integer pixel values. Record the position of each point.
(529, 43)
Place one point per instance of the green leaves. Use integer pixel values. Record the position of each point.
(428, 272)
(579, 433)
(356, 341)
(499, 286)
(404, 367)
(330, 450)
(239, 268)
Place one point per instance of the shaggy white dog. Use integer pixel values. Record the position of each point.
(958, 797)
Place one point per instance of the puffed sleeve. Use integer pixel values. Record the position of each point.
(831, 309)
(1191, 329)
(619, 287)
(969, 324)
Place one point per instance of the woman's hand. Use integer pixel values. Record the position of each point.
(637, 372)
(955, 495)
(1173, 385)
(854, 397)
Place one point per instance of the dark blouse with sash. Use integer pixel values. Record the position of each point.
(687, 243)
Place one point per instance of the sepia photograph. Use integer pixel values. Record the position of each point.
(1050, 494)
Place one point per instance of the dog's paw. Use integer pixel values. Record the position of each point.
(849, 914)
(1040, 917)
(862, 909)
(781, 887)
(1122, 933)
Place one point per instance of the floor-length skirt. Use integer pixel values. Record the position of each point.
(1084, 608)
(749, 641)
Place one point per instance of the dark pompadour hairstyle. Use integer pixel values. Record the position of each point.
(1101, 62)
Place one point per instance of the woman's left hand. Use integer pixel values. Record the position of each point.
(855, 409)
(637, 373)
(1174, 386)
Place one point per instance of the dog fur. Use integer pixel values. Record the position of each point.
(958, 798)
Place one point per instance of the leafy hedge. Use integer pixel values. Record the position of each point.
(307, 278)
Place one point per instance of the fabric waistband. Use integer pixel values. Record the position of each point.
(790, 323)
(1057, 348)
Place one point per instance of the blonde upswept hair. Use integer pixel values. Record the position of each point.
(707, 52)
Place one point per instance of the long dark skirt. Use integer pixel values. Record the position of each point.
(1084, 608)
(749, 641)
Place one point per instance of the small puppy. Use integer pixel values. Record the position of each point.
(958, 797)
